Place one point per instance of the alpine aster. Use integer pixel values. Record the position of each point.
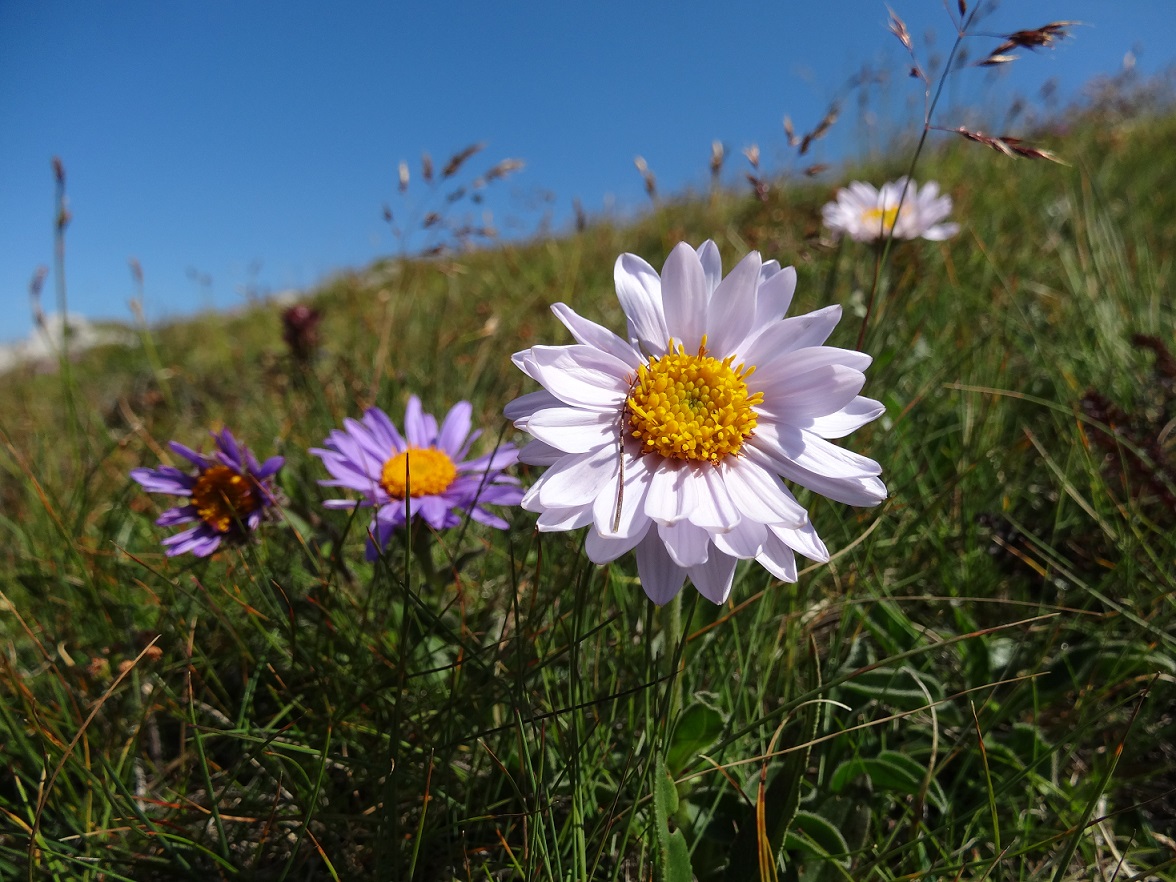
(423, 473)
(868, 215)
(228, 494)
(675, 441)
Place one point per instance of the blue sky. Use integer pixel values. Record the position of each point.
(251, 145)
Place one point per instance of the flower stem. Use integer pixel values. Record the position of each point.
(422, 550)
(674, 645)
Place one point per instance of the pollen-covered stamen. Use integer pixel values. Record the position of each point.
(692, 407)
(223, 497)
(881, 217)
(421, 471)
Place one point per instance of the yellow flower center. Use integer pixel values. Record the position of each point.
(223, 497)
(692, 407)
(883, 217)
(430, 472)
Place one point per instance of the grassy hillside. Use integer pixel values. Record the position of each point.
(978, 685)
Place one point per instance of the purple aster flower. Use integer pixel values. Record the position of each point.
(423, 474)
(228, 494)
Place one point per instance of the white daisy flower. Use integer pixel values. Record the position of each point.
(867, 215)
(675, 441)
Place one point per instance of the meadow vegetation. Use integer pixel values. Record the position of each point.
(979, 685)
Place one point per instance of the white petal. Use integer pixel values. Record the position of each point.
(713, 579)
(686, 544)
(684, 296)
(525, 405)
(744, 542)
(850, 418)
(597, 336)
(812, 452)
(712, 263)
(731, 312)
(777, 558)
(537, 453)
(660, 577)
(558, 520)
(574, 480)
(602, 549)
(523, 361)
(639, 291)
(633, 519)
(761, 495)
(666, 500)
(581, 375)
(574, 429)
(713, 508)
(800, 398)
(798, 361)
(861, 491)
(805, 540)
(853, 489)
(775, 294)
(810, 329)
(939, 232)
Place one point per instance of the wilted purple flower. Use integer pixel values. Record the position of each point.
(423, 474)
(300, 325)
(228, 494)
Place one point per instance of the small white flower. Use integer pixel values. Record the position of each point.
(867, 215)
(674, 442)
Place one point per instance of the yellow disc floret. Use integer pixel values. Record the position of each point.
(223, 497)
(692, 407)
(430, 472)
(884, 217)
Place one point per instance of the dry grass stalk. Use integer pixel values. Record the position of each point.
(762, 188)
(899, 29)
(1008, 145)
(1035, 38)
(458, 159)
(995, 59)
(1046, 35)
(427, 167)
(647, 176)
(35, 287)
(403, 175)
(716, 162)
(789, 132)
(753, 155)
(502, 169)
(822, 128)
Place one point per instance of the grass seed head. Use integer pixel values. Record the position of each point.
(458, 159)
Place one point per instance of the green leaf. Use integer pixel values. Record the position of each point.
(889, 771)
(675, 855)
(677, 858)
(665, 794)
(813, 834)
(699, 726)
(781, 797)
(895, 687)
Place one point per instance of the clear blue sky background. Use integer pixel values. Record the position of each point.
(255, 143)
